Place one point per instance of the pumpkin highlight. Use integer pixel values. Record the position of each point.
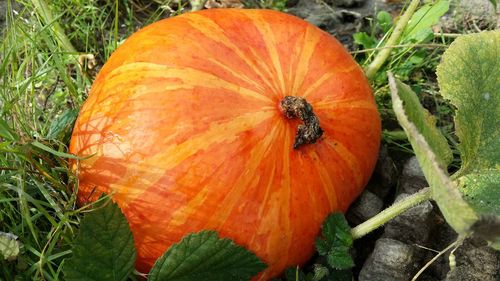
(185, 125)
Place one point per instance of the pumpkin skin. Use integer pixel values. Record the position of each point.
(187, 133)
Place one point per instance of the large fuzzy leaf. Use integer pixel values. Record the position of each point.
(455, 210)
(469, 76)
(205, 256)
(104, 248)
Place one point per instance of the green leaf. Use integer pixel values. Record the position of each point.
(336, 241)
(294, 274)
(205, 256)
(42, 146)
(455, 210)
(104, 248)
(320, 272)
(425, 123)
(6, 132)
(482, 191)
(62, 125)
(494, 2)
(384, 20)
(419, 26)
(365, 40)
(9, 246)
(469, 77)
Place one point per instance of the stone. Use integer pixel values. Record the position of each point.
(412, 168)
(391, 260)
(385, 175)
(475, 261)
(412, 226)
(318, 13)
(476, 13)
(347, 3)
(366, 206)
(412, 178)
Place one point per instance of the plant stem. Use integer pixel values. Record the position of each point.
(455, 244)
(399, 46)
(391, 212)
(44, 11)
(381, 57)
(395, 135)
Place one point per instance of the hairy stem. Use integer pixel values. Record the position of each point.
(391, 212)
(382, 56)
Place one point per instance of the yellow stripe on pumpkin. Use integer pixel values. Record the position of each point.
(175, 154)
(214, 32)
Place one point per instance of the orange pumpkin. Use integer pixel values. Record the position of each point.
(188, 130)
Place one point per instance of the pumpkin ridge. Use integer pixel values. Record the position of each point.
(196, 201)
(310, 41)
(324, 78)
(172, 155)
(202, 24)
(270, 42)
(259, 151)
(351, 162)
(238, 75)
(326, 180)
(188, 76)
(344, 104)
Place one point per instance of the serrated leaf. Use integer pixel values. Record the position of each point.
(456, 211)
(339, 258)
(336, 241)
(205, 256)
(469, 77)
(320, 272)
(419, 26)
(9, 246)
(104, 248)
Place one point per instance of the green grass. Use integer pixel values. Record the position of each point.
(42, 86)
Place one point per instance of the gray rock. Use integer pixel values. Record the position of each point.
(412, 168)
(347, 3)
(366, 206)
(318, 13)
(441, 236)
(480, 13)
(475, 261)
(412, 226)
(386, 174)
(412, 178)
(391, 260)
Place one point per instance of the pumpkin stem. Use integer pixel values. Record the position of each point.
(298, 107)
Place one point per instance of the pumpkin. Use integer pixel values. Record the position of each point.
(252, 123)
